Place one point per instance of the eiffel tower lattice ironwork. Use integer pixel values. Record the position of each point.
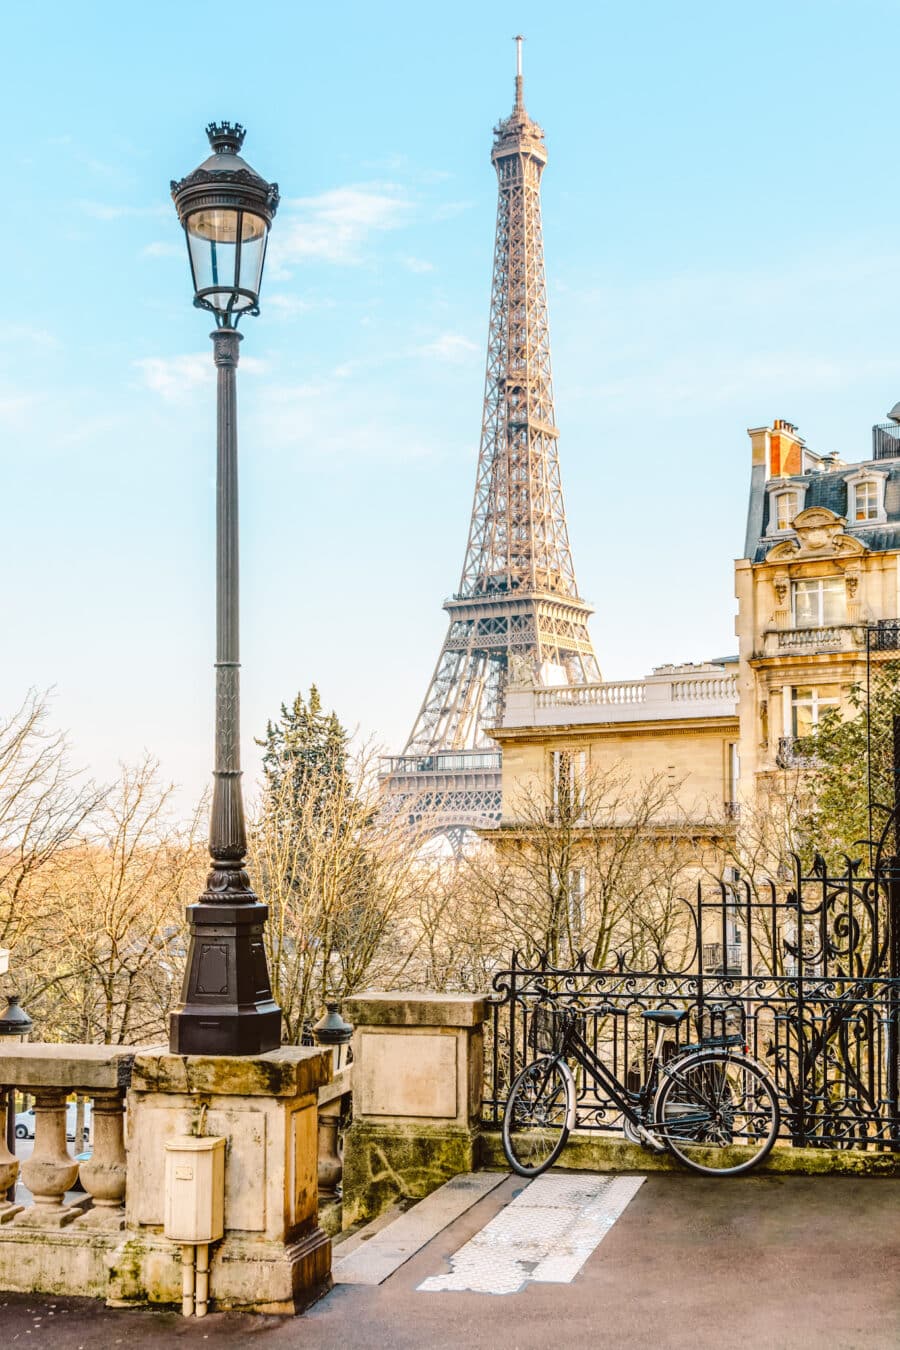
(517, 608)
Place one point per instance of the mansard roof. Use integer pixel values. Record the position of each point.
(829, 489)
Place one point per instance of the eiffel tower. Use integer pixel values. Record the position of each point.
(517, 611)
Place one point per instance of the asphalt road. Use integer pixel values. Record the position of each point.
(776, 1263)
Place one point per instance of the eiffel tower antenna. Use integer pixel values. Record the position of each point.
(517, 601)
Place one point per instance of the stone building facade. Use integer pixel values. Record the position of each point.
(821, 562)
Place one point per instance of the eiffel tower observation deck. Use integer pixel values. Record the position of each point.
(517, 613)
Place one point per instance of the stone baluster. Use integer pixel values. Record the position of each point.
(9, 1166)
(330, 1162)
(334, 1031)
(50, 1171)
(103, 1175)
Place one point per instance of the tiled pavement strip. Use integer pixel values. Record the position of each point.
(544, 1235)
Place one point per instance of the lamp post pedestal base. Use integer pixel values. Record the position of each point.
(227, 1006)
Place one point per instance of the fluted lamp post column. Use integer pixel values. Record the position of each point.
(226, 1007)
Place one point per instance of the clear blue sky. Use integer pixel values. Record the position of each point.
(722, 249)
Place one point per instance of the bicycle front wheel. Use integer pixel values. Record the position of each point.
(718, 1113)
(538, 1116)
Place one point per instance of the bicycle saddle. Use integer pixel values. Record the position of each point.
(666, 1017)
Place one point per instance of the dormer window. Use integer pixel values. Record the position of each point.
(865, 497)
(786, 500)
(786, 507)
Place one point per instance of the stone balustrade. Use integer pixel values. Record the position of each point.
(111, 1243)
(51, 1073)
(670, 692)
(824, 637)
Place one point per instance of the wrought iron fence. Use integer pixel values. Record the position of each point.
(810, 977)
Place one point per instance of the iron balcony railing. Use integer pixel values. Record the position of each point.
(712, 958)
(883, 635)
(886, 441)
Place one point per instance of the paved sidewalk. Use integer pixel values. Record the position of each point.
(777, 1263)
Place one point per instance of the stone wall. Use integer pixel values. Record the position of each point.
(418, 1071)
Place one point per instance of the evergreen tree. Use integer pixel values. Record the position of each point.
(305, 754)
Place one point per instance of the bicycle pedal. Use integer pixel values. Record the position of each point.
(650, 1140)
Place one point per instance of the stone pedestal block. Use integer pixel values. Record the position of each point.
(418, 1068)
(273, 1257)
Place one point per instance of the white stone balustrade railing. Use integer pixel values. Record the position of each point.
(709, 688)
(51, 1073)
(582, 695)
(837, 637)
(677, 693)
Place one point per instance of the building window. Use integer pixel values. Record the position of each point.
(865, 497)
(732, 775)
(569, 770)
(819, 600)
(808, 704)
(865, 501)
(786, 504)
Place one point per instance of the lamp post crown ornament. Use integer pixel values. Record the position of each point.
(225, 137)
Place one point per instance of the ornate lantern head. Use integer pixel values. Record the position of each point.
(226, 209)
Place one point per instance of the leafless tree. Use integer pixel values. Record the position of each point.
(44, 803)
(595, 865)
(338, 879)
(105, 962)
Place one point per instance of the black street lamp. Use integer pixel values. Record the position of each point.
(226, 1006)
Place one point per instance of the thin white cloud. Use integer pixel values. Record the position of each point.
(450, 347)
(287, 304)
(450, 210)
(115, 211)
(418, 265)
(14, 406)
(17, 333)
(335, 225)
(162, 248)
(176, 379)
(331, 423)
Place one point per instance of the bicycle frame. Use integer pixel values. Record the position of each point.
(629, 1103)
(633, 1105)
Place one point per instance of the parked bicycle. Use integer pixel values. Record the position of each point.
(711, 1105)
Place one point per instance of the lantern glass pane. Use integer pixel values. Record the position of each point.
(212, 239)
(253, 251)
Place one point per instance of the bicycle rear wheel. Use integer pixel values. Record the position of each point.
(538, 1116)
(718, 1113)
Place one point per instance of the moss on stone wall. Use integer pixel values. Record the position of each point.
(596, 1153)
(386, 1163)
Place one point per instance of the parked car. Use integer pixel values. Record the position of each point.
(80, 1158)
(25, 1121)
